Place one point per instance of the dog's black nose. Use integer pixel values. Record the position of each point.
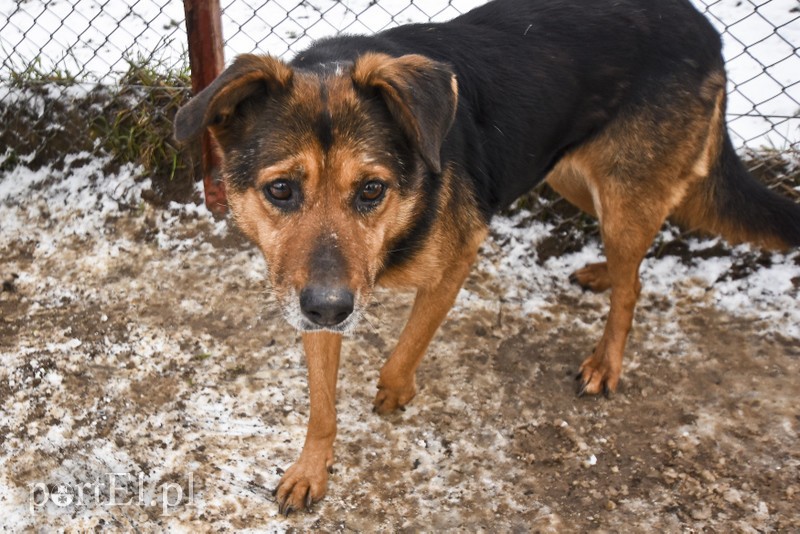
(326, 306)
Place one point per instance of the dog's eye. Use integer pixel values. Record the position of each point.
(371, 194)
(279, 190)
(282, 193)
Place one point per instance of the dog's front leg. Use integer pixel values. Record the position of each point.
(397, 384)
(306, 481)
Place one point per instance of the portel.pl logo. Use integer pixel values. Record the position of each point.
(113, 489)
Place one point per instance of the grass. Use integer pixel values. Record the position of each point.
(131, 121)
(142, 133)
(36, 73)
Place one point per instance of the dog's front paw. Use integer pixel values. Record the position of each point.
(598, 375)
(301, 486)
(393, 397)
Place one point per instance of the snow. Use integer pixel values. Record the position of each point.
(79, 200)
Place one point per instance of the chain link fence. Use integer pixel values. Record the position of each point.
(106, 76)
(83, 78)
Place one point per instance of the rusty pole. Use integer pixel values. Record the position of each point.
(206, 59)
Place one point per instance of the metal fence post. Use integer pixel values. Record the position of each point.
(206, 59)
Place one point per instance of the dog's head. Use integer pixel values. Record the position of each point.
(326, 168)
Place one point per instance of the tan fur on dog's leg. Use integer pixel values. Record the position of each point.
(601, 371)
(306, 481)
(626, 238)
(397, 384)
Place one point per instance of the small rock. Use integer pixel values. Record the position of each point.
(611, 505)
(732, 496)
(669, 475)
(762, 511)
(701, 514)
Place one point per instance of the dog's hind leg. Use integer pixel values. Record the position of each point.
(569, 181)
(594, 277)
(627, 235)
(636, 173)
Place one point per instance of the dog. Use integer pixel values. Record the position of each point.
(380, 160)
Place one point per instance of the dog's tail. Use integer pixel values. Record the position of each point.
(732, 203)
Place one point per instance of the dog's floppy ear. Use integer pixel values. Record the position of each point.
(216, 103)
(421, 95)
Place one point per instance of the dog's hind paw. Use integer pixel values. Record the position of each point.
(593, 277)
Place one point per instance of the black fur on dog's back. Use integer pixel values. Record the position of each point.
(526, 78)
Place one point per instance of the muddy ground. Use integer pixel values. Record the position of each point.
(148, 347)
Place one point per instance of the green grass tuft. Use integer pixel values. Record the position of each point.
(137, 123)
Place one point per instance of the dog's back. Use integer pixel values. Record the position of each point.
(527, 80)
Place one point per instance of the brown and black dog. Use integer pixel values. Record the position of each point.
(380, 160)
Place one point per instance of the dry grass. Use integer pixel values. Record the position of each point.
(54, 114)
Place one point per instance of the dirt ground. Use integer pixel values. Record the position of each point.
(150, 348)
